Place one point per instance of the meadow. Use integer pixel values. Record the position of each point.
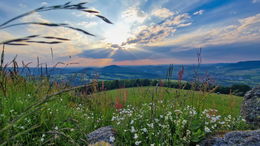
(35, 112)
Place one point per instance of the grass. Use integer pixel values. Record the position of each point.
(136, 113)
(225, 104)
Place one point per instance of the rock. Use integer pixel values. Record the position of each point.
(101, 135)
(235, 138)
(251, 107)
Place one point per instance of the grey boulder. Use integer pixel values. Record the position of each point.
(235, 138)
(104, 134)
(250, 109)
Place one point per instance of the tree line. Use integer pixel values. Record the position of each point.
(236, 89)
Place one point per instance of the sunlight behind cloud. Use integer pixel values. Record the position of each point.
(117, 34)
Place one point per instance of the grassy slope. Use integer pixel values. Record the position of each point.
(67, 118)
(225, 104)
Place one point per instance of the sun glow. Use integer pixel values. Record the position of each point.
(117, 34)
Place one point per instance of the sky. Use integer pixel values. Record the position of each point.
(144, 32)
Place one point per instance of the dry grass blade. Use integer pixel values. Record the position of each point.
(44, 42)
(36, 23)
(51, 54)
(90, 11)
(50, 25)
(16, 44)
(2, 58)
(57, 38)
(80, 30)
(68, 6)
(105, 19)
(19, 41)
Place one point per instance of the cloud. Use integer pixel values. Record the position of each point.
(153, 61)
(162, 13)
(44, 3)
(79, 61)
(255, 1)
(87, 24)
(246, 30)
(134, 15)
(224, 53)
(35, 17)
(159, 31)
(200, 12)
(78, 41)
(114, 52)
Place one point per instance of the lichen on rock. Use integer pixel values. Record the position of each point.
(235, 138)
(251, 107)
(103, 134)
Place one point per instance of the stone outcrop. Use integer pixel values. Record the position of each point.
(102, 135)
(235, 138)
(250, 109)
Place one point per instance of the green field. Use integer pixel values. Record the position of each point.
(225, 104)
(141, 115)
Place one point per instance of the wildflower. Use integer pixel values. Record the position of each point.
(144, 130)
(132, 129)
(42, 139)
(150, 125)
(113, 118)
(56, 128)
(136, 136)
(132, 122)
(152, 144)
(188, 132)
(207, 130)
(213, 119)
(111, 138)
(184, 122)
(118, 105)
(137, 142)
(184, 138)
(222, 123)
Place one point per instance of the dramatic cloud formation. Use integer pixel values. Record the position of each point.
(246, 30)
(159, 31)
(143, 32)
(162, 13)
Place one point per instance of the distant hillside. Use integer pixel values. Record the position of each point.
(244, 65)
(246, 72)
